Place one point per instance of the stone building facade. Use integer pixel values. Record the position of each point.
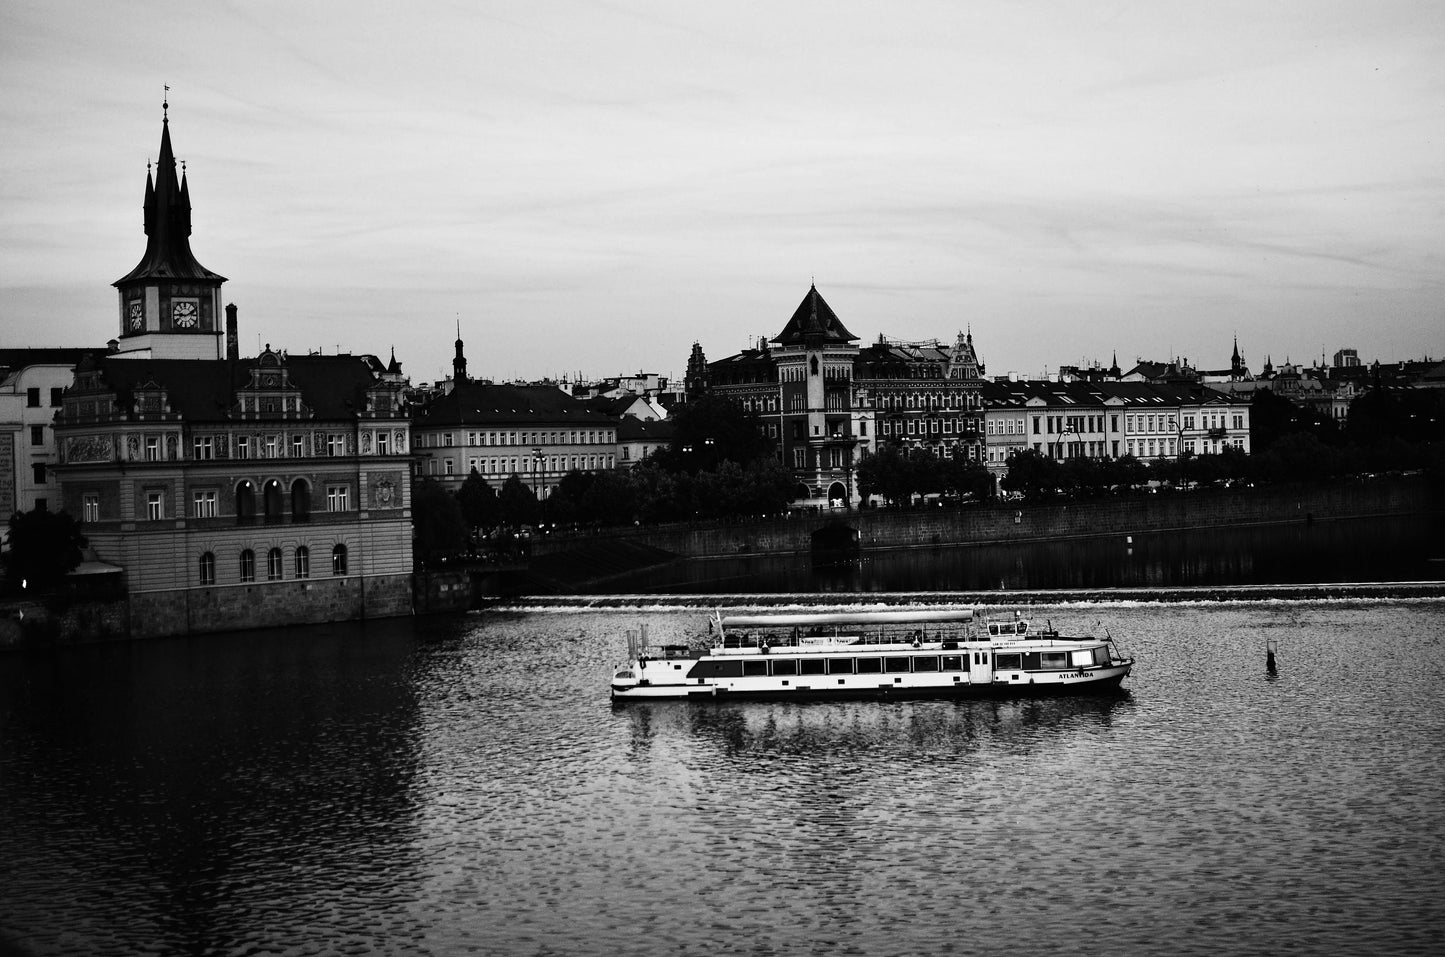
(242, 493)
(825, 402)
(231, 492)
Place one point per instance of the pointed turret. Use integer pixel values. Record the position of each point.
(459, 362)
(814, 319)
(170, 305)
(167, 225)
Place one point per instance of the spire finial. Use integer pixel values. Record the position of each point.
(166, 105)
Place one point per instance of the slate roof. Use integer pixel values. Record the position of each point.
(167, 225)
(478, 403)
(204, 390)
(654, 430)
(813, 318)
(1083, 394)
(20, 358)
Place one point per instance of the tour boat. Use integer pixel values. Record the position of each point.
(902, 653)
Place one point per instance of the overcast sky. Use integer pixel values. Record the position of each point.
(591, 186)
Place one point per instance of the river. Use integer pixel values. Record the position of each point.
(464, 785)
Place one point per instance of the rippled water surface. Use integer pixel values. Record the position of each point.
(464, 785)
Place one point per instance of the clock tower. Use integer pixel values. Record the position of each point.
(170, 305)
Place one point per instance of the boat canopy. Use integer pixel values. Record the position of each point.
(807, 619)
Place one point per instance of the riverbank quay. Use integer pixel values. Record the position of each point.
(1048, 597)
(574, 561)
(987, 524)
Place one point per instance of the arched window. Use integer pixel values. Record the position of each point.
(208, 569)
(338, 560)
(245, 503)
(303, 562)
(271, 500)
(248, 566)
(273, 565)
(300, 501)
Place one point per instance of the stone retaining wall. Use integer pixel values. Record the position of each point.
(982, 524)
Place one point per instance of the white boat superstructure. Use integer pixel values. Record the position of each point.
(914, 652)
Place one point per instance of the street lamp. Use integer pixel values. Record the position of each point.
(536, 469)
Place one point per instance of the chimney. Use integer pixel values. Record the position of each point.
(233, 342)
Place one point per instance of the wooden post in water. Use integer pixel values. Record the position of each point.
(1269, 648)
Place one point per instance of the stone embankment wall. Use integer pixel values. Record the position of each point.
(44, 623)
(980, 524)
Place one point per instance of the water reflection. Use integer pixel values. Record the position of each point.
(230, 777)
(1392, 548)
(892, 731)
(465, 786)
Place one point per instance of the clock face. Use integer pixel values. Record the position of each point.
(184, 315)
(136, 316)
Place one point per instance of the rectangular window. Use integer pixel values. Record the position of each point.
(840, 666)
(155, 505)
(204, 447)
(755, 668)
(153, 448)
(1054, 659)
(1008, 662)
(273, 446)
(37, 435)
(90, 507)
(37, 472)
(952, 662)
(32, 398)
(870, 666)
(785, 666)
(335, 445)
(383, 443)
(298, 446)
(810, 666)
(56, 392)
(243, 447)
(338, 498)
(926, 663)
(895, 665)
(204, 504)
(448, 466)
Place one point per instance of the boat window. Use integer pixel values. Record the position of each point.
(953, 662)
(897, 664)
(925, 663)
(785, 666)
(1008, 662)
(810, 666)
(870, 666)
(1031, 661)
(993, 629)
(1101, 655)
(753, 668)
(716, 669)
(1055, 659)
(840, 666)
(1081, 659)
